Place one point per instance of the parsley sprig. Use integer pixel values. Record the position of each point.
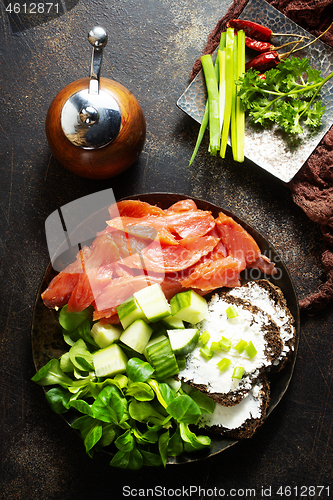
(287, 96)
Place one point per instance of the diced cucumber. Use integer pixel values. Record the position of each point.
(109, 361)
(153, 302)
(183, 341)
(162, 358)
(137, 335)
(129, 311)
(104, 335)
(189, 306)
(153, 340)
(172, 322)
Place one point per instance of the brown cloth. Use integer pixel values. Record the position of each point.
(312, 187)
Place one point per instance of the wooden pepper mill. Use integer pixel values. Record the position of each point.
(95, 126)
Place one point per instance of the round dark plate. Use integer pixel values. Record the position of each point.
(47, 339)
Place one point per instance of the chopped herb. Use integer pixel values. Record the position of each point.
(287, 96)
(223, 364)
(238, 372)
(240, 346)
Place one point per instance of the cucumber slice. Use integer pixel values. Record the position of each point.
(153, 302)
(162, 358)
(189, 306)
(153, 340)
(129, 311)
(105, 335)
(183, 341)
(137, 335)
(109, 361)
(172, 322)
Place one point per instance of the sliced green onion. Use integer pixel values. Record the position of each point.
(251, 350)
(206, 352)
(201, 134)
(223, 364)
(238, 148)
(221, 60)
(225, 344)
(233, 121)
(232, 312)
(238, 372)
(240, 346)
(213, 103)
(204, 337)
(215, 346)
(204, 121)
(229, 89)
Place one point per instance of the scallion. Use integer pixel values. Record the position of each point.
(213, 103)
(229, 89)
(238, 148)
(251, 350)
(223, 364)
(225, 344)
(240, 346)
(238, 372)
(206, 352)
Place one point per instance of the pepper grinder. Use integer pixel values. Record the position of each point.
(95, 126)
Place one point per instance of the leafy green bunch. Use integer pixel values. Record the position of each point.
(286, 95)
(144, 420)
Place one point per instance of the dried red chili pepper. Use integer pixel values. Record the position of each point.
(264, 61)
(255, 30)
(259, 46)
(268, 60)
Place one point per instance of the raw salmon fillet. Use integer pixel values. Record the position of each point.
(181, 248)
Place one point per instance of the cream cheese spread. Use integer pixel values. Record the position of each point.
(259, 297)
(233, 417)
(246, 326)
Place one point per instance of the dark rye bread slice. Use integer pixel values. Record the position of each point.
(270, 298)
(222, 388)
(239, 421)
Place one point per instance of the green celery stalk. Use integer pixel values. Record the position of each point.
(221, 59)
(213, 103)
(204, 121)
(229, 78)
(233, 123)
(238, 154)
(201, 134)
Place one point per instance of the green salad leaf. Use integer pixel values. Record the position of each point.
(145, 420)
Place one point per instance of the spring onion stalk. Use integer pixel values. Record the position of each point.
(251, 350)
(238, 151)
(221, 59)
(223, 364)
(229, 89)
(233, 121)
(204, 122)
(225, 344)
(213, 103)
(238, 372)
(241, 346)
(204, 337)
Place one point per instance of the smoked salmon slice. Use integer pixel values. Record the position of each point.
(134, 208)
(168, 227)
(211, 274)
(181, 248)
(168, 258)
(239, 243)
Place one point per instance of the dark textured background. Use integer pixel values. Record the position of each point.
(151, 49)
